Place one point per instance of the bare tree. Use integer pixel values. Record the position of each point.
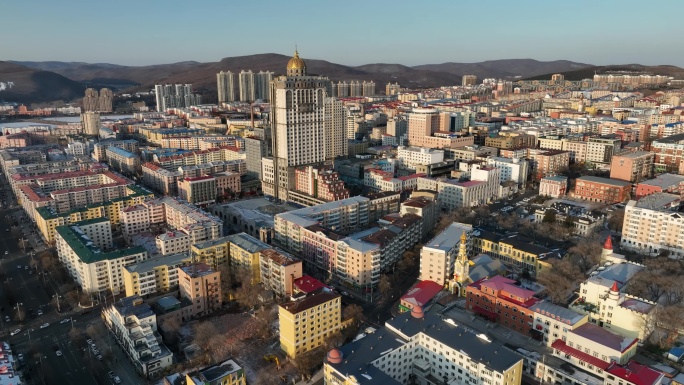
(616, 219)
(264, 321)
(76, 335)
(561, 280)
(171, 326)
(306, 362)
(586, 254)
(247, 294)
(385, 285)
(353, 311)
(407, 262)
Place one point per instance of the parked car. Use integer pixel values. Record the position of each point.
(58, 353)
(43, 326)
(117, 380)
(99, 357)
(15, 332)
(111, 374)
(40, 312)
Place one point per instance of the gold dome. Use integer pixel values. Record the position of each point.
(296, 64)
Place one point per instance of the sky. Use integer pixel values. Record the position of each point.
(350, 32)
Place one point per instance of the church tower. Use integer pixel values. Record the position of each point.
(462, 267)
(607, 249)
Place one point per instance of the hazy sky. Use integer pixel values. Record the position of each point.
(350, 32)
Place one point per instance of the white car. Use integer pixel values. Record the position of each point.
(14, 333)
(58, 353)
(43, 326)
(64, 320)
(7, 318)
(40, 312)
(6, 252)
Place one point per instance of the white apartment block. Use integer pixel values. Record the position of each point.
(424, 347)
(85, 249)
(482, 188)
(385, 181)
(172, 242)
(134, 326)
(410, 157)
(653, 224)
(437, 257)
(515, 170)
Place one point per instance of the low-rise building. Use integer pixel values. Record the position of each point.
(554, 186)
(664, 183)
(410, 157)
(602, 190)
(307, 320)
(226, 373)
(420, 295)
(519, 253)
(172, 242)
(134, 326)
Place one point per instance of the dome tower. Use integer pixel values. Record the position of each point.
(296, 66)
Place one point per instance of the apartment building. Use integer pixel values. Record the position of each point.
(201, 285)
(245, 251)
(172, 242)
(548, 162)
(155, 275)
(426, 348)
(307, 320)
(600, 150)
(466, 153)
(512, 169)
(227, 183)
(134, 326)
(199, 190)
(553, 322)
(47, 219)
(278, 271)
(214, 252)
(100, 149)
(632, 166)
(553, 186)
(654, 224)
(160, 179)
(602, 190)
(664, 183)
(508, 140)
(85, 249)
(438, 257)
(668, 154)
(482, 187)
(379, 180)
(318, 182)
(210, 155)
(425, 205)
(424, 130)
(122, 161)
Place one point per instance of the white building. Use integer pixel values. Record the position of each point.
(410, 157)
(427, 349)
(654, 223)
(437, 257)
(172, 242)
(514, 169)
(85, 249)
(134, 326)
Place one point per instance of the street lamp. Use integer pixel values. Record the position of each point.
(18, 308)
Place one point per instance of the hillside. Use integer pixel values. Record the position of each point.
(588, 73)
(34, 86)
(203, 75)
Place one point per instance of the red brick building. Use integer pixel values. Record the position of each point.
(500, 300)
(603, 190)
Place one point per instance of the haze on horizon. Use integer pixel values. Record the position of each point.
(352, 32)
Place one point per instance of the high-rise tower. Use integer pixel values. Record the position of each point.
(225, 85)
(300, 124)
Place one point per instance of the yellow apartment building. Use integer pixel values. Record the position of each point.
(516, 252)
(245, 251)
(307, 320)
(213, 252)
(155, 275)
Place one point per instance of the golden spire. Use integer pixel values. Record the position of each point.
(296, 64)
(463, 237)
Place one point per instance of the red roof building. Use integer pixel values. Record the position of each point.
(307, 284)
(419, 295)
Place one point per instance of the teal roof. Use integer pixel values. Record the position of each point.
(86, 250)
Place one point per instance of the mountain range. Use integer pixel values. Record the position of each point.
(52, 80)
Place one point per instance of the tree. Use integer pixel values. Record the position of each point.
(305, 363)
(586, 253)
(334, 340)
(407, 262)
(616, 219)
(385, 285)
(264, 321)
(20, 314)
(549, 216)
(247, 294)
(170, 327)
(76, 335)
(353, 311)
(561, 280)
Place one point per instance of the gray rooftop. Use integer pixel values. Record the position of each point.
(247, 242)
(485, 266)
(566, 315)
(665, 180)
(152, 263)
(658, 201)
(598, 179)
(620, 273)
(449, 237)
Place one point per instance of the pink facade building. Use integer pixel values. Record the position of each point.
(320, 182)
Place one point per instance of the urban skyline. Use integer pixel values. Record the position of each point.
(449, 32)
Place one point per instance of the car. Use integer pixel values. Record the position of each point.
(89, 341)
(40, 312)
(65, 321)
(7, 318)
(25, 267)
(43, 326)
(345, 293)
(7, 230)
(6, 252)
(111, 374)
(15, 332)
(58, 353)
(19, 267)
(99, 357)
(117, 380)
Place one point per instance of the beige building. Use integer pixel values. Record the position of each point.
(654, 224)
(122, 160)
(200, 284)
(199, 190)
(160, 179)
(227, 182)
(172, 242)
(245, 251)
(438, 257)
(278, 270)
(308, 320)
(632, 167)
(424, 130)
(155, 275)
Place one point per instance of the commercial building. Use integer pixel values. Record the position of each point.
(603, 190)
(653, 224)
(424, 130)
(426, 348)
(134, 325)
(226, 373)
(278, 271)
(632, 166)
(482, 187)
(155, 275)
(410, 157)
(307, 320)
(517, 252)
(554, 186)
(86, 250)
(199, 190)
